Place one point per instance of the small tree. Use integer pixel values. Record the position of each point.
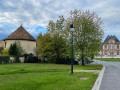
(1, 49)
(15, 49)
(5, 52)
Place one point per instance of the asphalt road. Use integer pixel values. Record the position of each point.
(111, 77)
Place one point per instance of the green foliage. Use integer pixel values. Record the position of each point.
(30, 58)
(1, 49)
(17, 60)
(4, 59)
(5, 52)
(51, 47)
(88, 32)
(15, 49)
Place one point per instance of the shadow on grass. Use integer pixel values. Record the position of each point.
(22, 71)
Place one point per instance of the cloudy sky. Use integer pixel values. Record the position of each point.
(34, 15)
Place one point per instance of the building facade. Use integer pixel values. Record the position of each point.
(110, 47)
(27, 41)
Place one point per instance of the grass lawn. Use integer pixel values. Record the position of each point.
(22, 76)
(108, 59)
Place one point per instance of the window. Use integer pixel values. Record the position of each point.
(111, 41)
(105, 53)
(117, 46)
(112, 46)
(117, 53)
(111, 53)
(5, 44)
(105, 46)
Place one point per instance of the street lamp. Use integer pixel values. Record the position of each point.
(71, 29)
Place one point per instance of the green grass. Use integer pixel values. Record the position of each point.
(108, 59)
(46, 77)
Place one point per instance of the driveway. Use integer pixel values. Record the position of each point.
(111, 77)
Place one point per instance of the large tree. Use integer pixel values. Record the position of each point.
(88, 31)
(51, 47)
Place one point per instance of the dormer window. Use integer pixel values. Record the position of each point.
(111, 41)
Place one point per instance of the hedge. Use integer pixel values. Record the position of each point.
(4, 59)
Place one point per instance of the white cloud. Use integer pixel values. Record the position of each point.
(33, 13)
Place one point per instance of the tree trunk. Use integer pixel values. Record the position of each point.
(82, 57)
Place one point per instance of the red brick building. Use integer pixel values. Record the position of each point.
(110, 47)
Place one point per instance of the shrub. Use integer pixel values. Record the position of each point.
(16, 60)
(1, 49)
(30, 58)
(16, 49)
(5, 52)
(65, 61)
(4, 59)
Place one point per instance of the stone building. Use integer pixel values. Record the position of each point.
(110, 47)
(27, 42)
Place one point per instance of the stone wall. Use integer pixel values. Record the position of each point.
(2, 44)
(28, 46)
(107, 56)
(12, 59)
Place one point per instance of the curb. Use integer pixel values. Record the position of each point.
(99, 80)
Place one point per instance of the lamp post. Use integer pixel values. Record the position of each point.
(71, 29)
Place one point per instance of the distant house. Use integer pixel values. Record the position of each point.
(27, 42)
(110, 47)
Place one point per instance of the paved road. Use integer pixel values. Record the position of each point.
(111, 77)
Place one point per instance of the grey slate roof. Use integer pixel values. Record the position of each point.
(111, 37)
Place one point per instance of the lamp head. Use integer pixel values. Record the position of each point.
(71, 27)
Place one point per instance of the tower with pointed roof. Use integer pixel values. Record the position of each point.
(27, 41)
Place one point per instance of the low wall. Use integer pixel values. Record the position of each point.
(12, 59)
(105, 56)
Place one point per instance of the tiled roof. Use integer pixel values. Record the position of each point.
(111, 38)
(20, 34)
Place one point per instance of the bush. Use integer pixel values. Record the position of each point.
(29, 58)
(5, 52)
(1, 49)
(87, 60)
(16, 60)
(65, 61)
(16, 49)
(4, 59)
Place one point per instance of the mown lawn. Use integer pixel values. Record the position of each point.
(108, 59)
(46, 77)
